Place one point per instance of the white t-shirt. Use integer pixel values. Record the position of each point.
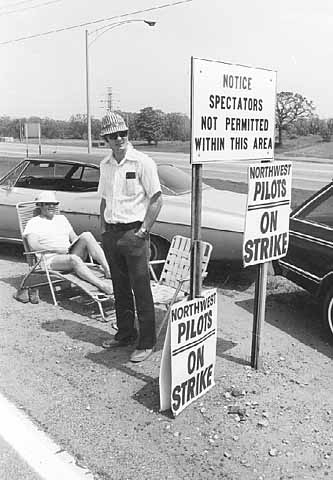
(53, 234)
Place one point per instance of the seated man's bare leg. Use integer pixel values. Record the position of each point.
(69, 262)
(87, 244)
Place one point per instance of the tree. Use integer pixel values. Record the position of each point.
(290, 107)
(149, 124)
(176, 126)
(96, 127)
(326, 129)
(77, 126)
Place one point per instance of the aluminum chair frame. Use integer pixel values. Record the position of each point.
(174, 281)
(37, 265)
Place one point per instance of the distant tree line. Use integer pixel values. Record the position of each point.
(147, 125)
(294, 115)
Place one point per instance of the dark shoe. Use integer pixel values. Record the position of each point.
(22, 295)
(141, 355)
(113, 343)
(33, 295)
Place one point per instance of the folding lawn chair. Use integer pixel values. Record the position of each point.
(174, 281)
(38, 268)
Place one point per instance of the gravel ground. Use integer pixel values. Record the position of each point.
(105, 410)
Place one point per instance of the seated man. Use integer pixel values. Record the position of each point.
(68, 251)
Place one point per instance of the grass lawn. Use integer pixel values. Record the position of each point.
(318, 150)
(297, 196)
(172, 147)
(309, 146)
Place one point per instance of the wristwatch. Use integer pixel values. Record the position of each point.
(143, 232)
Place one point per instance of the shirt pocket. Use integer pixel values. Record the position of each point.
(130, 183)
(130, 186)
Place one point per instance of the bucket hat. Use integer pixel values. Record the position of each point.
(112, 123)
(46, 197)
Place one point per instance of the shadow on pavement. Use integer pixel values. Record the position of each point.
(117, 358)
(230, 279)
(77, 330)
(298, 314)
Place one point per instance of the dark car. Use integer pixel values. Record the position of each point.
(309, 260)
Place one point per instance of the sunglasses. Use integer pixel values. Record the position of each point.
(47, 204)
(114, 136)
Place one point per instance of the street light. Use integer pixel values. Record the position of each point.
(100, 31)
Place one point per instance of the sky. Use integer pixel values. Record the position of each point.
(150, 66)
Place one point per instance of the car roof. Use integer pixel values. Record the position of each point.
(63, 159)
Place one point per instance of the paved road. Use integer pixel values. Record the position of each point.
(27, 453)
(12, 466)
(308, 173)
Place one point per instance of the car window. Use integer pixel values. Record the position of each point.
(45, 170)
(86, 174)
(90, 175)
(50, 175)
(321, 211)
(10, 179)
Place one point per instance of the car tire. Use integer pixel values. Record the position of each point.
(327, 314)
(159, 248)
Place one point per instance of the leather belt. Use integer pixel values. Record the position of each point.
(122, 227)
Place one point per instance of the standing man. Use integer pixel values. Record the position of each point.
(131, 200)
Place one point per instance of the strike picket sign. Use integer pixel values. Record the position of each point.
(266, 235)
(189, 352)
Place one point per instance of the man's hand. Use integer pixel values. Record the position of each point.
(142, 233)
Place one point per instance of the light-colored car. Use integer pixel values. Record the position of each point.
(75, 183)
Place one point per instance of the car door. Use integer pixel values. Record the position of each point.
(310, 253)
(10, 195)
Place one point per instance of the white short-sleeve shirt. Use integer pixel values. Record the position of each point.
(128, 186)
(53, 234)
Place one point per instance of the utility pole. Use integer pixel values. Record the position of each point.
(88, 95)
(109, 100)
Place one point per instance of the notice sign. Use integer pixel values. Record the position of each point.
(266, 233)
(32, 129)
(233, 112)
(189, 353)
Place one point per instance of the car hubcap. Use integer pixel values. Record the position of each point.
(329, 314)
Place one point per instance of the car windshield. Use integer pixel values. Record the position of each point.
(320, 211)
(173, 180)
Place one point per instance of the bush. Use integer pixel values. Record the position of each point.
(326, 135)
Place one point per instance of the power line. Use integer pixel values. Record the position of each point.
(94, 22)
(30, 7)
(10, 5)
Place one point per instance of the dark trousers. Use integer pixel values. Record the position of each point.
(128, 257)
